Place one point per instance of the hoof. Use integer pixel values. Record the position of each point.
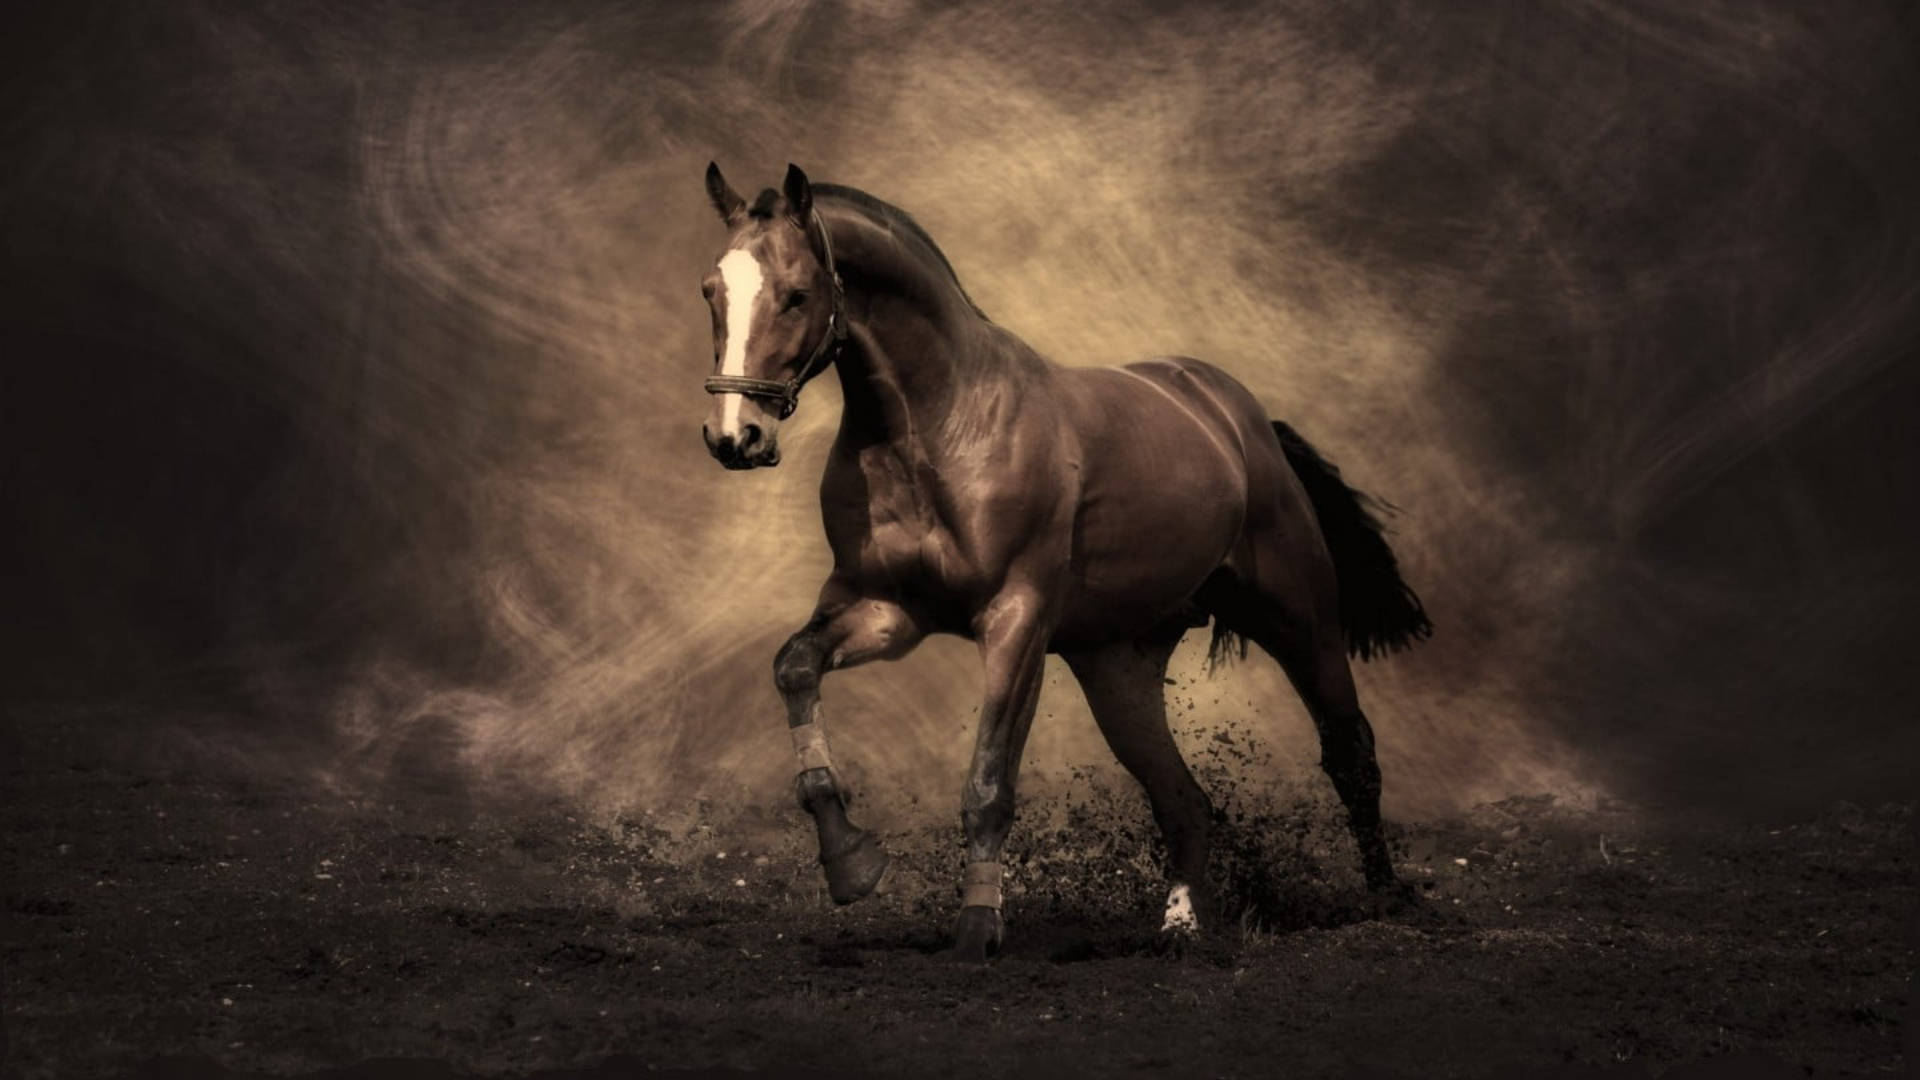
(1209, 947)
(1174, 943)
(976, 935)
(856, 872)
(1393, 897)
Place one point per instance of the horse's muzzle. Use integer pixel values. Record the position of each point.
(751, 450)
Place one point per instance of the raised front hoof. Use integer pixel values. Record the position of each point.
(976, 935)
(857, 871)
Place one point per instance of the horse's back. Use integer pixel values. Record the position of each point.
(1212, 392)
(1235, 423)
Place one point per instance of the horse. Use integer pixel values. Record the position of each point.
(976, 488)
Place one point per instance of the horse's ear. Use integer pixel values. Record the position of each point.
(725, 199)
(799, 193)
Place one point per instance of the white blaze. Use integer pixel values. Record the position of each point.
(1180, 911)
(740, 272)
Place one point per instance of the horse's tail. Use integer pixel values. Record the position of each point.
(1378, 610)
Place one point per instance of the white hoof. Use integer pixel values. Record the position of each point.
(1180, 917)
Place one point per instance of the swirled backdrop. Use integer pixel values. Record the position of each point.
(353, 393)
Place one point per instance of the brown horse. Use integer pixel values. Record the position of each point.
(1099, 513)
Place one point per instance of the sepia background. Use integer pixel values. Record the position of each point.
(353, 379)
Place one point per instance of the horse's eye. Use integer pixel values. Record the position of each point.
(706, 289)
(794, 299)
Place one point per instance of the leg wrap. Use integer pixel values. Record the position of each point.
(810, 746)
(981, 885)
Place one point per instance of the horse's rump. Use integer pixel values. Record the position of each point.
(1160, 483)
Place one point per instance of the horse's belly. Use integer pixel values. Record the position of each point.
(1140, 557)
(1143, 573)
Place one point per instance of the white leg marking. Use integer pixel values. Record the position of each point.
(740, 273)
(1180, 914)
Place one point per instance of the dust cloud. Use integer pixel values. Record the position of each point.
(365, 356)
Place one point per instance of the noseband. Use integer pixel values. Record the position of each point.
(788, 392)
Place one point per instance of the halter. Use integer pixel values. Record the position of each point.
(788, 392)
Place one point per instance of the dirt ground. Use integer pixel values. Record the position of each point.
(161, 915)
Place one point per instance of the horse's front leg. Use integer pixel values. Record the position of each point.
(843, 632)
(1012, 632)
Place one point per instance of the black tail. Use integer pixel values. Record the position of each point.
(1378, 611)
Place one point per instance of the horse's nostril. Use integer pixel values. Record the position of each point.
(751, 438)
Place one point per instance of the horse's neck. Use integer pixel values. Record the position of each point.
(914, 346)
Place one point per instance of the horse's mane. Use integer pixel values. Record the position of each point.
(897, 221)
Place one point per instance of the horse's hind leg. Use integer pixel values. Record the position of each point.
(843, 632)
(1124, 687)
(1320, 673)
(1313, 652)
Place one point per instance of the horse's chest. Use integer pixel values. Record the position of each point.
(894, 538)
(908, 545)
(912, 556)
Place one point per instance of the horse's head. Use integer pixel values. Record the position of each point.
(777, 315)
